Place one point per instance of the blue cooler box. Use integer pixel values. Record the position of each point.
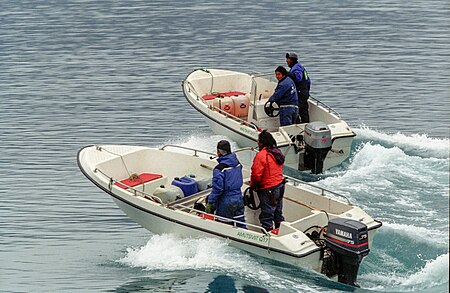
(187, 184)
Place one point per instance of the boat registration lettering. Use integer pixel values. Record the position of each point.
(244, 129)
(248, 236)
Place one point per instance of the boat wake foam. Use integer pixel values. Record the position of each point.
(207, 143)
(170, 252)
(433, 277)
(432, 237)
(415, 144)
(371, 156)
(388, 172)
(434, 273)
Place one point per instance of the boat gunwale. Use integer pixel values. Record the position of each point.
(224, 236)
(210, 117)
(207, 231)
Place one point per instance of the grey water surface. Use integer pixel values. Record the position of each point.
(80, 72)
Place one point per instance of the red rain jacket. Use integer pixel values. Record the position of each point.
(266, 172)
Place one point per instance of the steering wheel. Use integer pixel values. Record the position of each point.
(198, 205)
(272, 109)
(251, 200)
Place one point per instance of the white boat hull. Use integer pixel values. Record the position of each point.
(302, 207)
(244, 130)
(159, 225)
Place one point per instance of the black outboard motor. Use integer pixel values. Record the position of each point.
(347, 243)
(317, 137)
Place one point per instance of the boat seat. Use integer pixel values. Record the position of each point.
(317, 218)
(226, 94)
(189, 201)
(135, 180)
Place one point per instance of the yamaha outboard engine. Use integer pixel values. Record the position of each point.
(317, 137)
(347, 243)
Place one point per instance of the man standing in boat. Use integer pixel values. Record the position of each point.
(226, 196)
(267, 179)
(302, 82)
(285, 96)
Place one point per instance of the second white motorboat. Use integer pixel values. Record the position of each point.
(236, 104)
(163, 190)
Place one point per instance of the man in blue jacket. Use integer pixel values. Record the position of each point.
(302, 82)
(226, 196)
(285, 96)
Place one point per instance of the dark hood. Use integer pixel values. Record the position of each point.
(277, 154)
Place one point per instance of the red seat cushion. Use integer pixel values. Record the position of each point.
(140, 179)
(210, 97)
(227, 94)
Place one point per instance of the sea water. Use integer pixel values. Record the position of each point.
(75, 73)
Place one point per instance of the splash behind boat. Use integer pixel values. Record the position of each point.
(319, 232)
(236, 104)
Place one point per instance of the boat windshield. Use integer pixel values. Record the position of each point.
(263, 85)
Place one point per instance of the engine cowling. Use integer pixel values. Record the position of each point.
(317, 137)
(347, 243)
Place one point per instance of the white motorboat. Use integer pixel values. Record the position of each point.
(163, 191)
(236, 104)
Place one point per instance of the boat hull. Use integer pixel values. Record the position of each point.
(290, 245)
(341, 146)
(158, 224)
(245, 130)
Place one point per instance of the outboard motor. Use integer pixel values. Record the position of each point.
(317, 137)
(346, 244)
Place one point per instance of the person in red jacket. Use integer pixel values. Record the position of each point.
(267, 179)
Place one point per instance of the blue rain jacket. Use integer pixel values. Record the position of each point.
(285, 93)
(226, 196)
(302, 80)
